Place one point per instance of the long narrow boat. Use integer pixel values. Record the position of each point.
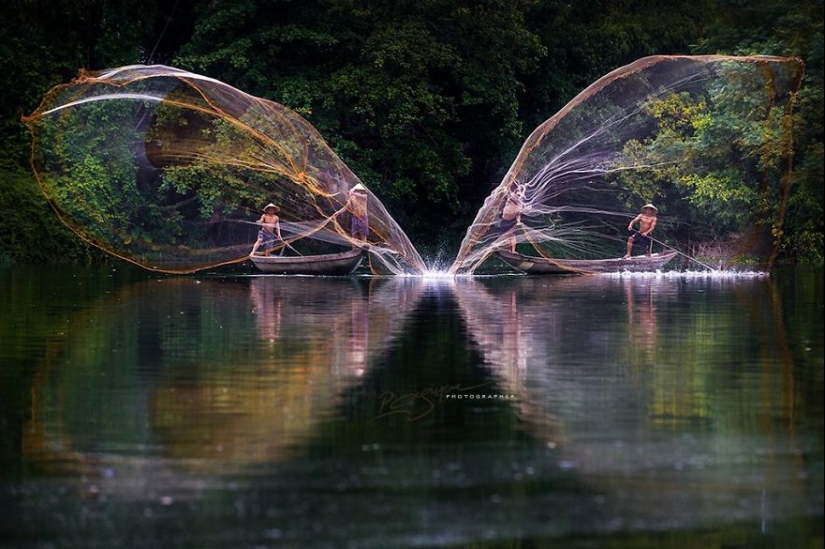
(342, 263)
(540, 265)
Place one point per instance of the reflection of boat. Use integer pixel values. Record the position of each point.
(541, 265)
(326, 264)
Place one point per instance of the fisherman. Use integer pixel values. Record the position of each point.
(357, 207)
(270, 230)
(511, 217)
(641, 237)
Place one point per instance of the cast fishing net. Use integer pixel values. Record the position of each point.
(171, 170)
(705, 137)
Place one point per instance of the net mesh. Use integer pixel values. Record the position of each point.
(706, 136)
(171, 170)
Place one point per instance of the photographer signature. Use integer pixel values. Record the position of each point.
(407, 404)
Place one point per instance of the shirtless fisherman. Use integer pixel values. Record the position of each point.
(270, 230)
(641, 237)
(356, 205)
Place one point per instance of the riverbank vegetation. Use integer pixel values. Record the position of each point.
(428, 102)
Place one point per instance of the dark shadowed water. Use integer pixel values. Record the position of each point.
(225, 411)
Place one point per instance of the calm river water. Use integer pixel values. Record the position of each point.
(224, 411)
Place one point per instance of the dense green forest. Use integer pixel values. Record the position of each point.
(427, 101)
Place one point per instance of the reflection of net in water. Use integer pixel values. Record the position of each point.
(707, 137)
(170, 170)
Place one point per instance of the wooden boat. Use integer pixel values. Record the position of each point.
(540, 265)
(342, 263)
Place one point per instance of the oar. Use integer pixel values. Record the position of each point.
(681, 253)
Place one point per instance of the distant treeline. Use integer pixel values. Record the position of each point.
(427, 101)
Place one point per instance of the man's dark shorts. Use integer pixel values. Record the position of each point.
(640, 240)
(360, 227)
(267, 239)
(504, 225)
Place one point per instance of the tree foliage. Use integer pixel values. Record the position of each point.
(428, 101)
(712, 161)
(410, 94)
(789, 28)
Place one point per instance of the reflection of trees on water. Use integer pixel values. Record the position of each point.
(274, 379)
(502, 322)
(563, 344)
(578, 344)
(575, 349)
(211, 372)
(244, 353)
(647, 378)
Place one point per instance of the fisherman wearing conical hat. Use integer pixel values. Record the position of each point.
(356, 205)
(641, 237)
(270, 231)
(511, 217)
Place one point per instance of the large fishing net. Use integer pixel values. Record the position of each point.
(171, 170)
(706, 137)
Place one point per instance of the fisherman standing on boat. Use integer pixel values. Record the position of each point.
(510, 217)
(641, 237)
(357, 207)
(270, 230)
